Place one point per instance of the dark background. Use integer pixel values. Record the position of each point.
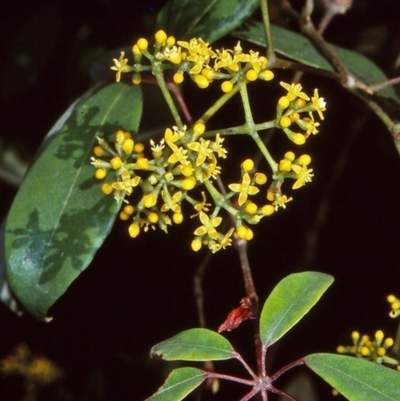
(139, 292)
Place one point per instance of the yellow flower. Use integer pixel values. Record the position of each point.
(203, 150)
(216, 146)
(280, 200)
(256, 61)
(171, 202)
(127, 183)
(294, 91)
(244, 189)
(120, 66)
(225, 60)
(199, 54)
(208, 226)
(309, 125)
(303, 175)
(318, 103)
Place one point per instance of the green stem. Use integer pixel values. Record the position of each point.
(252, 128)
(158, 73)
(240, 130)
(220, 200)
(271, 56)
(218, 104)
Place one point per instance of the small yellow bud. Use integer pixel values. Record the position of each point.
(305, 160)
(208, 73)
(177, 218)
(169, 176)
(249, 234)
(106, 189)
(299, 139)
(196, 245)
(127, 146)
(120, 136)
(199, 128)
(136, 78)
(266, 75)
(285, 165)
(123, 216)
(189, 183)
(178, 77)
(142, 163)
(270, 196)
(299, 103)
(267, 210)
(294, 117)
(248, 165)
(285, 122)
(355, 335)
(160, 37)
(289, 156)
(390, 298)
(251, 75)
(364, 351)
(134, 230)
(226, 86)
(251, 208)
(143, 44)
(116, 162)
(201, 81)
(129, 209)
(149, 200)
(187, 170)
(135, 50)
(283, 102)
(98, 151)
(388, 342)
(380, 351)
(153, 218)
(170, 41)
(241, 232)
(260, 178)
(139, 147)
(379, 335)
(100, 173)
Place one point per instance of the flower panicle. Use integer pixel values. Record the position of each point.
(375, 349)
(157, 181)
(197, 59)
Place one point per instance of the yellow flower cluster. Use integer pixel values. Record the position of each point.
(395, 305)
(371, 349)
(186, 158)
(199, 60)
(292, 105)
(37, 371)
(181, 161)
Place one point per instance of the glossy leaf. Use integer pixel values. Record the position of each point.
(289, 301)
(194, 345)
(299, 48)
(60, 217)
(208, 19)
(179, 384)
(357, 379)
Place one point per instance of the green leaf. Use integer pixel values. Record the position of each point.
(289, 301)
(60, 217)
(194, 345)
(207, 19)
(299, 48)
(179, 384)
(357, 379)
